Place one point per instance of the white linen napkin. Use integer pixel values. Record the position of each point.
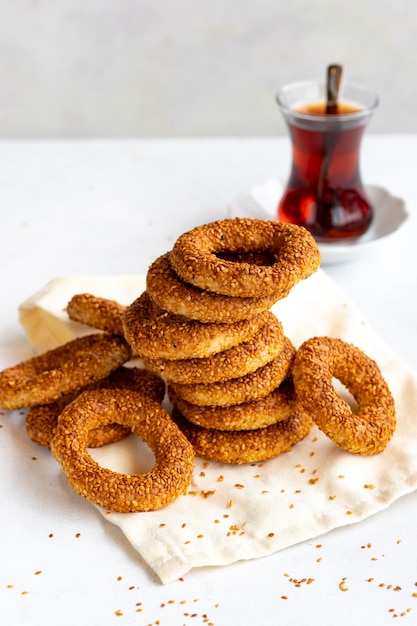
(232, 513)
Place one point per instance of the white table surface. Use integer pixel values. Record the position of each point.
(112, 207)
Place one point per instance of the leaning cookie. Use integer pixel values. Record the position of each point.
(366, 430)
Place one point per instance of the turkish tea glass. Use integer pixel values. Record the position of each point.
(325, 192)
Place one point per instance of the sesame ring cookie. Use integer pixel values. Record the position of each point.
(240, 360)
(155, 334)
(275, 407)
(366, 430)
(116, 491)
(96, 312)
(47, 377)
(253, 386)
(42, 420)
(180, 298)
(246, 446)
(195, 257)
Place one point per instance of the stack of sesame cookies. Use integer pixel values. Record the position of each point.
(204, 324)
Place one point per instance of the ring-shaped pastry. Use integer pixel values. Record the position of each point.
(196, 257)
(156, 334)
(47, 377)
(180, 298)
(42, 420)
(365, 430)
(243, 359)
(96, 312)
(247, 446)
(119, 492)
(275, 407)
(253, 386)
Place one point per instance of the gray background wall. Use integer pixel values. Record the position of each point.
(149, 68)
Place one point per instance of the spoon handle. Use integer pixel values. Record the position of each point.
(334, 80)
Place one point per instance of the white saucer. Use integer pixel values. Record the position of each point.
(390, 213)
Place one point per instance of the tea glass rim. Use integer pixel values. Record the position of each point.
(364, 111)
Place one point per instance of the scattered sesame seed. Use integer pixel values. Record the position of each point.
(206, 494)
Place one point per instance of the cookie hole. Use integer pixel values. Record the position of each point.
(129, 456)
(345, 394)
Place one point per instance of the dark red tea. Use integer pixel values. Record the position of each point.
(325, 191)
